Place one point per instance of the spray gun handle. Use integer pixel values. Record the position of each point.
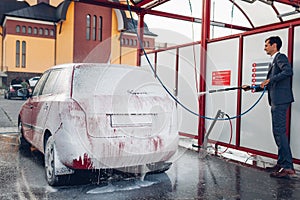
(254, 87)
(248, 87)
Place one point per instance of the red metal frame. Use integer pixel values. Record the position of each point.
(239, 93)
(152, 3)
(291, 59)
(289, 2)
(203, 60)
(290, 25)
(140, 31)
(176, 71)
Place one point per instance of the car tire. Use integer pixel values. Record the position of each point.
(23, 143)
(52, 179)
(159, 167)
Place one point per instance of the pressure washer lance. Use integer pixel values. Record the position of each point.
(228, 89)
(220, 114)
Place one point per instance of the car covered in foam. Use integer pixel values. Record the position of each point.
(99, 116)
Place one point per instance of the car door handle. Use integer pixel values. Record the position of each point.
(46, 107)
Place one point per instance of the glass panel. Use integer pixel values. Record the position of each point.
(63, 83)
(94, 27)
(29, 30)
(18, 29)
(50, 83)
(23, 29)
(41, 31)
(100, 28)
(88, 27)
(17, 53)
(40, 84)
(23, 54)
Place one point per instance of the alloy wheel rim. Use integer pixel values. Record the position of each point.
(50, 161)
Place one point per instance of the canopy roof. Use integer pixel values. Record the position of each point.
(249, 14)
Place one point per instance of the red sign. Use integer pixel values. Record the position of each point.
(221, 77)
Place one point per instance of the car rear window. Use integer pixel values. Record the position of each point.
(111, 80)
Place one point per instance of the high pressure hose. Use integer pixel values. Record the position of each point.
(170, 94)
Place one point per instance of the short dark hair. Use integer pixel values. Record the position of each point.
(276, 40)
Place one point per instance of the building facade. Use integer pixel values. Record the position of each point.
(37, 34)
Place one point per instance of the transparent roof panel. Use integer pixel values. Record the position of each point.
(288, 12)
(227, 17)
(191, 8)
(259, 13)
(245, 13)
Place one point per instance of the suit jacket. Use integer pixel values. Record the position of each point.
(280, 86)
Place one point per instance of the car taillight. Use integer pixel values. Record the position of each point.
(11, 89)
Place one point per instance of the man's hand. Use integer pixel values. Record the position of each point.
(246, 87)
(264, 83)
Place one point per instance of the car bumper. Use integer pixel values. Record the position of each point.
(115, 153)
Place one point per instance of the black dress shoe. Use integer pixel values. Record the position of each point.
(283, 173)
(275, 168)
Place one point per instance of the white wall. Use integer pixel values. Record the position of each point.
(295, 125)
(256, 127)
(222, 55)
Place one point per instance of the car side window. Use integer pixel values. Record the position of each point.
(63, 82)
(50, 82)
(39, 86)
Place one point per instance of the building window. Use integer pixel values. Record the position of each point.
(100, 28)
(35, 30)
(29, 30)
(24, 29)
(88, 27)
(41, 31)
(17, 53)
(94, 27)
(18, 29)
(135, 43)
(131, 42)
(46, 31)
(23, 54)
(51, 32)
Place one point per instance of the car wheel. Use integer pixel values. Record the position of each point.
(49, 155)
(24, 144)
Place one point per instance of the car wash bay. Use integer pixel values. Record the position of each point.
(190, 177)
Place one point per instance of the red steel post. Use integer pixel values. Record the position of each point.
(140, 31)
(203, 60)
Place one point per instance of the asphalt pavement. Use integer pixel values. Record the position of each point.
(191, 176)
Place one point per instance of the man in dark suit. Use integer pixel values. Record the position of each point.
(280, 97)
